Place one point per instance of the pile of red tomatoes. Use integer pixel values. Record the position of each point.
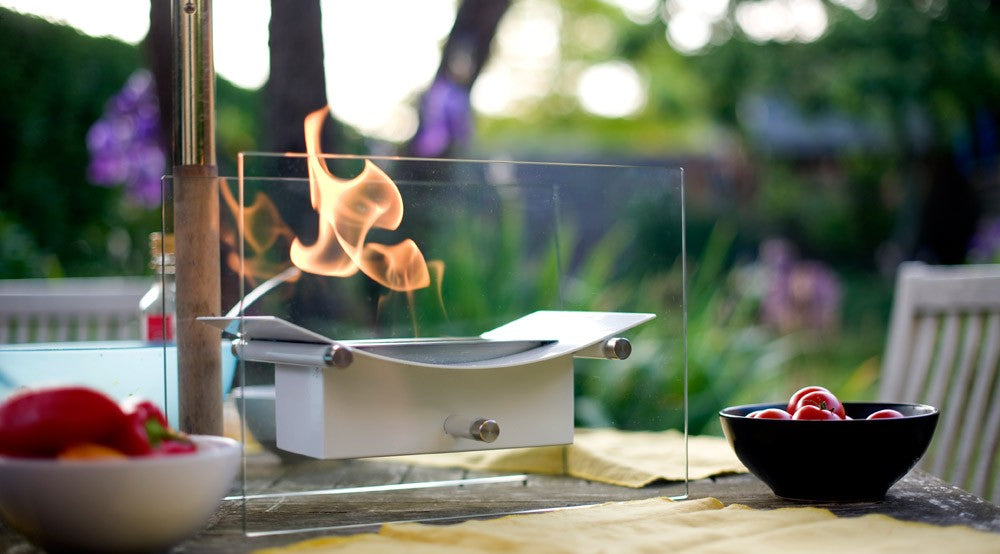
(816, 403)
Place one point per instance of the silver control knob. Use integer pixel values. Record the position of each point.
(617, 349)
(480, 428)
(338, 356)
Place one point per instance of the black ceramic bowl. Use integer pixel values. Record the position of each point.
(831, 461)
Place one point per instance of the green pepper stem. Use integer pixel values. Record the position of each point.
(158, 433)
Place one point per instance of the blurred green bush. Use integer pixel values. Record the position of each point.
(55, 83)
(54, 223)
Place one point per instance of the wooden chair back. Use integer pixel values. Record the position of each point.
(942, 350)
(78, 309)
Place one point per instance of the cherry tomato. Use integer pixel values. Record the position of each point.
(771, 413)
(793, 402)
(824, 400)
(810, 411)
(885, 414)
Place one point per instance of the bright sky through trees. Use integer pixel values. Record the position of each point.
(372, 83)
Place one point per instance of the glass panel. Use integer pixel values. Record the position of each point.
(119, 368)
(107, 333)
(421, 282)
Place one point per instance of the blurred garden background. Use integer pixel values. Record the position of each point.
(823, 142)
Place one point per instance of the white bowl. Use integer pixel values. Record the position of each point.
(116, 505)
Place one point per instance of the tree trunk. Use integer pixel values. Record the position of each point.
(445, 111)
(159, 47)
(297, 82)
(468, 46)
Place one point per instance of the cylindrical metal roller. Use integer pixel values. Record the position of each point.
(477, 428)
(615, 348)
(304, 354)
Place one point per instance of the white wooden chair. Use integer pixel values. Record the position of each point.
(942, 350)
(77, 309)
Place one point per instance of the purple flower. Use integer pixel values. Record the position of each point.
(985, 245)
(124, 143)
(445, 118)
(800, 294)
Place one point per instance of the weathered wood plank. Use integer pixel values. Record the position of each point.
(918, 497)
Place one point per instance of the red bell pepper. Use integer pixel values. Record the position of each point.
(43, 422)
(148, 433)
(172, 446)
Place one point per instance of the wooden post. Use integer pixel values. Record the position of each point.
(196, 220)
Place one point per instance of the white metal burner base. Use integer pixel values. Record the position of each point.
(510, 387)
(380, 408)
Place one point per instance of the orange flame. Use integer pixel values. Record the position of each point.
(348, 209)
(263, 228)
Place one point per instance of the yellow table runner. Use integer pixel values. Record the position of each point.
(660, 525)
(627, 458)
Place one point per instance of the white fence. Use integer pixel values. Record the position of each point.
(78, 309)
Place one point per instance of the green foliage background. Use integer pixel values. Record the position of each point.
(55, 83)
(922, 75)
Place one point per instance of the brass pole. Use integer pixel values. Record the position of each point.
(196, 220)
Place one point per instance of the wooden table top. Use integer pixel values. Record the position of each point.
(917, 497)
